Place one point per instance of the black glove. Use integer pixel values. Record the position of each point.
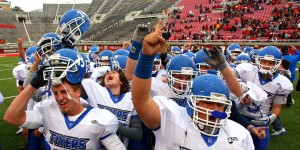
(216, 59)
(38, 80)
(140, 32)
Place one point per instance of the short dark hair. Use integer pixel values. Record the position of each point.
(286, 64)
(125, 87)
(284, 49)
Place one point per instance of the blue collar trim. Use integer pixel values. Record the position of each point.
(72, 124)
(263, 82)
(114, 98)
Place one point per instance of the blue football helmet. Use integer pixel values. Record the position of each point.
(156, 64)
(21, 61)
(73, 24)
(48, 44)
(104, 58)
(242, 58)
(86, 60)
(247, 49)
(31, 61)
(269, 53)
(65, 63)
(94, 48)
(233, 50)
(91, 57)
(169, 56)
(119, 63)
(253, 55)
(180, 65)
(30, 51)
(175, 50)
(190, 55)
(210, 90)
(120, 52)
(201, 65)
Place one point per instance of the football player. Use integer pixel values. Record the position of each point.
(165, 116)
(67, 124)
(277, 87)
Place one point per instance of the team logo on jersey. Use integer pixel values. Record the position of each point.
(94, 122)
(121, 114)
(67, 142)
(231, 139)
(133, 49)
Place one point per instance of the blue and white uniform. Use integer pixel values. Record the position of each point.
(175, 118)
(277, 89)
(101, 97)
(83, 131)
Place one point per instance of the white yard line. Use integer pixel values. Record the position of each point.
(7, 69)
(7, 78)
(10, 97)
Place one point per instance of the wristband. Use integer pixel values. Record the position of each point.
(144, 66)
(135, 50)
(222, 66)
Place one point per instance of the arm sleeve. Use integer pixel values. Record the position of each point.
(280, 99)
(112, 142)
(134, 131)
(237, 117)
(28, 78)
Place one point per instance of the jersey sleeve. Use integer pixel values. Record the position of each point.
(245, 71)
(19, 72)
(170, 112)
(110, 123)
(33, 120)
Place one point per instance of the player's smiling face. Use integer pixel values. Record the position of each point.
(66, 105)
(112, 79)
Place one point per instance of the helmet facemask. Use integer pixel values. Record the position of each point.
(209, 122)
(272, 69)
(60, 66)
(71, 30)
(234, 53)
(156, 66)
(103, 61)
(47, 46)
(172, 81)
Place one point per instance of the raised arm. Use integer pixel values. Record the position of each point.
(145, 106)
(15, 114)
(20, 49)
(140, 32)
(217, 60)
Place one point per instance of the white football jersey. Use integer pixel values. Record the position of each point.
(86, 132)
(161, 73)
(20, 71)
(101, 97)
(178, 132)
(277, 89)
(92, 66)
(159, 88)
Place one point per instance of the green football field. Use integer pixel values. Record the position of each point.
(9, 140)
